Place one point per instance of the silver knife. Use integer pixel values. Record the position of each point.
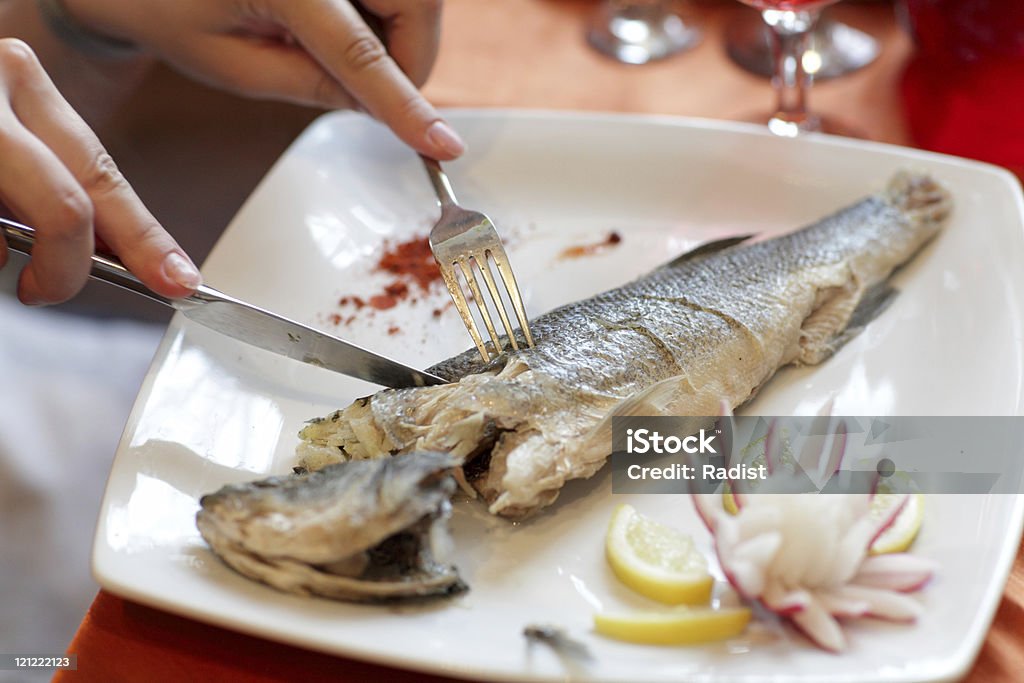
(250, 324)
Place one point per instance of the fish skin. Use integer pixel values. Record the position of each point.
(360, 531)
(681, 340)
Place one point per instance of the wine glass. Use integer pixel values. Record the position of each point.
(791, 23)
(835, 48)
(640, 31)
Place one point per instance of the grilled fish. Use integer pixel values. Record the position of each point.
(361, 531)
(711, 327)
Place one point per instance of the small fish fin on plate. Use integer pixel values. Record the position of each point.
(707, 249)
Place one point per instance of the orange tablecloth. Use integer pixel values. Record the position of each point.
(518, 53)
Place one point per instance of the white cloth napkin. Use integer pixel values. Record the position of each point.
(66, 387)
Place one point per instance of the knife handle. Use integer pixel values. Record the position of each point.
(109, 269)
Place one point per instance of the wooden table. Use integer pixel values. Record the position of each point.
(496, 53)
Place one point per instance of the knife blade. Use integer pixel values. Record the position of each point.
(251, 324)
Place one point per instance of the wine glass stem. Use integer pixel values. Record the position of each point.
(790, 32)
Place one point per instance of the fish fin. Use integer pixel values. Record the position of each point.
(920, 196)
(706, 249)
(654, 400)
(875, 301)
(659, 399)
(872, 304)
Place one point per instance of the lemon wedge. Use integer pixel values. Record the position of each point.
(679, 626)
(904, 529)
(655, 560)
(729, 501)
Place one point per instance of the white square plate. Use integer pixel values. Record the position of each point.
(213, 410)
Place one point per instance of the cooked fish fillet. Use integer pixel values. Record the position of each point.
(363, 531)
(713, 326)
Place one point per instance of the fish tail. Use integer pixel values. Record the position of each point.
(920, 197)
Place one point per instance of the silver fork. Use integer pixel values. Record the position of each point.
(461, 238)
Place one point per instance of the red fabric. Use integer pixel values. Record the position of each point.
(1002, 657)
(964, 89)
(123, 641)
(969, 110)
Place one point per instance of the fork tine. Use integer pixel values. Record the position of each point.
(509, 278)
(461, 237)
(485, 271)
(474, 287)
(462, 306)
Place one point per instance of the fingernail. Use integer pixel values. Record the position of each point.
(443, 136)
(182, 271)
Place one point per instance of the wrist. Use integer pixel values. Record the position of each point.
(73, 32)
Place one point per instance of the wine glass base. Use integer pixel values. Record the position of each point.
(812, 124)
(835, 49)
(640, 33)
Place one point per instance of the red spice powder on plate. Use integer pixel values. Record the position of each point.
(577, 251)
(412, 264)
(412, 261)
(354, 300)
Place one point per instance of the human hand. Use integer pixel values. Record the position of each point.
(57, 177)
(314, 52)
